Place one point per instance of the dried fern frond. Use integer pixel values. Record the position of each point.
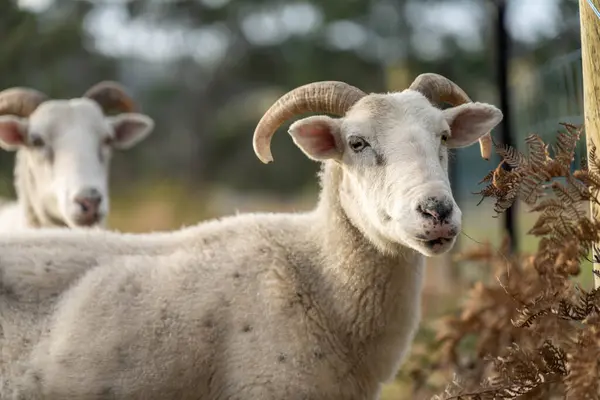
(536, 333)
(529, 173)
(583, 362)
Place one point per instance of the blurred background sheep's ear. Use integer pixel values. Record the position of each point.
(13, 132)
(130, 129)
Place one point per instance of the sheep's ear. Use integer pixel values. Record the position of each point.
(468, 122)
(130, 129)
(318, 137)
(13, 132)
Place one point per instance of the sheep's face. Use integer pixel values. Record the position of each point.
(65, 147)
(394, 152)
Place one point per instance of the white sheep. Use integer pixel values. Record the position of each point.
(63, 154)
(316, 305)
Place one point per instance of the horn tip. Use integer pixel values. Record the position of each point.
(263, 153)
(265, 158)
(485, 146)
(486, 154)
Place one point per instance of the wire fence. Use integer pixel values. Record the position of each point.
(553, 95)
(544, 92)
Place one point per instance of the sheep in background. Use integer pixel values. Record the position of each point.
(63, 155)
(315, 305)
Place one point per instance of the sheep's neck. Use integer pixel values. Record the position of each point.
(373, 291)
(25, 189)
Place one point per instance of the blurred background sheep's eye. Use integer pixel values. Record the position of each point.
(37, 141)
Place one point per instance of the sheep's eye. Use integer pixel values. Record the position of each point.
(37, 142)
(444, 138)
(357, 143)
(108, 141)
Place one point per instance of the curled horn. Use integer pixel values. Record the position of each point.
(331, 97)
(439, 89)
(20, 101)
(111, 96)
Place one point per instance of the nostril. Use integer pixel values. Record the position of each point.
(444, 211)
(88, 204)
(438, 210)
(427, 212)
(94, 200)
(89, 200)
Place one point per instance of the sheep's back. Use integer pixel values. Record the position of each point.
(224, 315)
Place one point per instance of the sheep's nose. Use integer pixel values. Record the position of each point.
(438, 209)
(89, 200)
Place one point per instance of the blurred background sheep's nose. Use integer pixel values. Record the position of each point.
(89, 200)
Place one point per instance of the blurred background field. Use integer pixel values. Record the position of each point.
(206, 70)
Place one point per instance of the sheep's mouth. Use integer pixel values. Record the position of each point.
(439, 241)
(436, 242)
(88, 220)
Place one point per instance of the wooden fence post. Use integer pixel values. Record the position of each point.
(590, 60)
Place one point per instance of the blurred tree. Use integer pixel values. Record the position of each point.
(207, 100)
(208, 96)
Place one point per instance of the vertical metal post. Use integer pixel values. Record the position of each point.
(503, 57)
